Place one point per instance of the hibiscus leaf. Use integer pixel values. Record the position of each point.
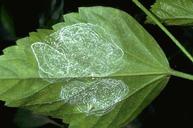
(171, 12)
(99, 68)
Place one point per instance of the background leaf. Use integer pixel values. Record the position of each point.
(26, 119)
(6, 23)
(52, 15)
(145, 71)
(170, 12)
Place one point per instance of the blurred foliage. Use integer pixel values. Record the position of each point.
(26, 119)
(53, 15)
(6, 24)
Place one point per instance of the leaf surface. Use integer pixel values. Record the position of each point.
(179, 12)
(99, 68)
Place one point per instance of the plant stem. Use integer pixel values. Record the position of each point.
(181, 75)
(163, 28)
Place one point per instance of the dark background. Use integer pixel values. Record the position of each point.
(172, 108)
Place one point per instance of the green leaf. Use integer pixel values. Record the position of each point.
(172, 12)
(99, 68)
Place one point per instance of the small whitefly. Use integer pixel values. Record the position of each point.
(79, 51)
(97, 97)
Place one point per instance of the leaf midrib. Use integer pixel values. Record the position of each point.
(86, 77)
(143, 86)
